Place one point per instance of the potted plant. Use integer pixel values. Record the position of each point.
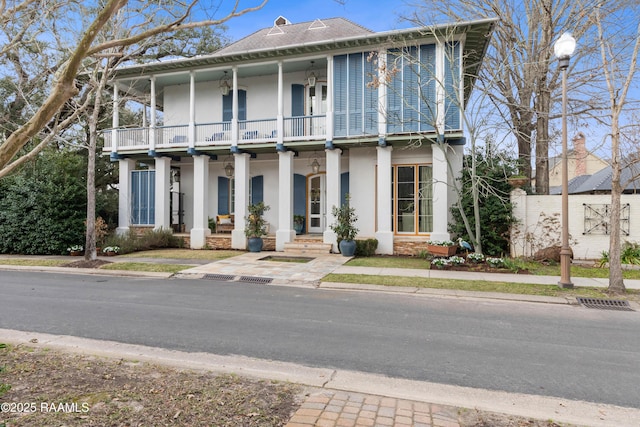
(256, 226)
(75, 250)
(111, 250)
(442, 247)
(344, 227)
(298, 223)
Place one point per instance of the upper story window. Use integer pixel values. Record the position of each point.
(227, 106)
(355, 102)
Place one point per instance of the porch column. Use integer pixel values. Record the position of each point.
(238, 238)
(192, 109)
(280, 116)
(234, 109)
(333, 194)
(152, 118)
(384, 232)
(124, 194)
(440, 192)
(200, 229)
(285, 232)
(330, 106)
(162, 211)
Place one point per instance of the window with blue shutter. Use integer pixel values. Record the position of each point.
(410, 73)
(340, 76)
(453, 95)
(143, 192)
(227, 106)
(257, 189)
(223, 195)
(370, 96)
(355, 94)
(394, 92)
(299, 194)
(428, 103)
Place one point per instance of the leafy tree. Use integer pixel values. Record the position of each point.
(493, 197)
(42, 207)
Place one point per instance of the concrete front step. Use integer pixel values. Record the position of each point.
(307, 247)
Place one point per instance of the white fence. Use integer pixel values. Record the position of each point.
(539, 223)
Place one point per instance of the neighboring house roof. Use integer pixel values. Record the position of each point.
(280, 36)
(601, 181)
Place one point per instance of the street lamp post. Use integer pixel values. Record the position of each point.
(563, 49)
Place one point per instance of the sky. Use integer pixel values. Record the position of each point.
(376, 15)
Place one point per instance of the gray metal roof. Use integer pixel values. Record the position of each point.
(600, 182)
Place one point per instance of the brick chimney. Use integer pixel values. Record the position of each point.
(580, 154)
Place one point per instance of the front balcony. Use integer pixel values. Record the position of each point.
(303, 128)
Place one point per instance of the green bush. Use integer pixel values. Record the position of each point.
(366, 247)
(151, 239)
(630, 254)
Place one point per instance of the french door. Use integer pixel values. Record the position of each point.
(316, 201)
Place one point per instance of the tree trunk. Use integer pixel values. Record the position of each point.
(616, 282)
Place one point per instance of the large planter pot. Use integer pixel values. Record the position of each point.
(442, 250)
(255, 244)
(298, 226)
(347, 247)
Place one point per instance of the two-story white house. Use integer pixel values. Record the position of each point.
(298, 115)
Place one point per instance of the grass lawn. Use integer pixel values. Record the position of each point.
(185, 254)
(146, 266)
(34, 262)
(467, 285)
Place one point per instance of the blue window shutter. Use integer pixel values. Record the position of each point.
(453, 96)
(257, 189)
(297, 100)
(227, 106)
(344, 187)
(394, 94)
(370, 97)
(223, 195)
(428, 103)
(355, 94)
(340, 76)
(410, 72)
(135, 197)
(151, 218)
(299, 194)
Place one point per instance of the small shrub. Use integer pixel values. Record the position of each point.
(366, 247)
(424, 254)
(630, 254)
(440, 262)
(475, 258)
(152, 239)
(456, 260)
(495, 262)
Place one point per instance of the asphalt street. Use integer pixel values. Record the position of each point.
(551, 350)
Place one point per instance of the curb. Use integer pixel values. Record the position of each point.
(87, 271)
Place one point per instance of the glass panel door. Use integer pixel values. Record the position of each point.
(406, 208)
(316, 203)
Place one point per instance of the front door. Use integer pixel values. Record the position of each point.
(316, 198)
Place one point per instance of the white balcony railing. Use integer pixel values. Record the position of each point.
(303, 128)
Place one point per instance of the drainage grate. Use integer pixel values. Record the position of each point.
(605, 304)
(254, 279)
(227, 277)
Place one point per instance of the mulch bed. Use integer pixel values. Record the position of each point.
(83, 263)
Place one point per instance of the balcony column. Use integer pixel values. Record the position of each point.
(333, 194)
(384, 232)
(124, 194)
(382, 100)
(234, 109)
(152, 118)
(330, 106)
(200, 229)
(280, 116)
(115, 122)
(440, 192)
(285, 232)
(192, 109)
(238, 238)
(162, 211)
